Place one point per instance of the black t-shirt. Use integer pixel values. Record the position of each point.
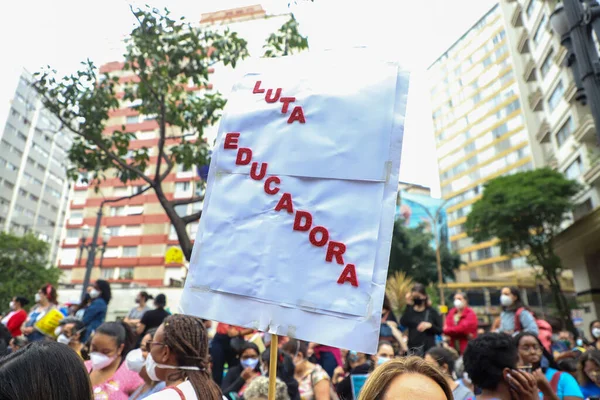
(411, 320)
(153, 319)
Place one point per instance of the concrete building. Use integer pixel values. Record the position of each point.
(33, 162)
(141, 232)
(563, 130)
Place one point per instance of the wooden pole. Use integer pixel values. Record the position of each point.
(273, 367)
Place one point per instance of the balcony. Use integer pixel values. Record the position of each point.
(517, 16)
(585, 131)
(551, 161)
(523, 44)
(530, 74)
(570, 92)
(543, 134)
(592, 175)
(535, 100)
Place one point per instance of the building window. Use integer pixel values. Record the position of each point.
(181, 210)
(126, 273)
(71, 233)
(564, 132)
(107, 273)
(530, 8)
(574, 170)
(547, 64)
(485, 253)
(133, 119)
(538, 32)
(114, 231)
(556, 95)
(130, 251)
(132, 230)
(135, 210)
(117, 211)
(182, 186)
(499, 131)
(111, 252)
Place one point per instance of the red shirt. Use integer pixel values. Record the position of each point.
(460, 330)
(15, 321)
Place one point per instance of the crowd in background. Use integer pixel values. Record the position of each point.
(153, 354)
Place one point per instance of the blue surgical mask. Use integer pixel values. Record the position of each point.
(382, 360)
(579, 342)
(249, 363)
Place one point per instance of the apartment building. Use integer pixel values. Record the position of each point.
(140, 232)
(33, 161)
(564, 129)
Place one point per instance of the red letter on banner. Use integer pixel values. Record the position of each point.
(302, 216)
(335, 249)
(269, 96)
(257, 88)
(348, 275)
(312, 236)
(286, 102)
(244, 156)
(297, 115)
(268, 188)
(231, 141)
(285, 202)
(261, 174)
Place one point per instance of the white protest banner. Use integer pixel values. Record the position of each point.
(299, 210)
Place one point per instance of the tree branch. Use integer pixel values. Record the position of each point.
(193, 217)
(161, 140)
(194, 199)
(126, 197)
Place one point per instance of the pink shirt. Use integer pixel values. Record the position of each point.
(119, 387)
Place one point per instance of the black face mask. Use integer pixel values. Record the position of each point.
(418, 301)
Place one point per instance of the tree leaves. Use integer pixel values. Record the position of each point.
(286, 41)
(23, 267)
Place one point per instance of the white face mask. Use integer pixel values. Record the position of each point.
(135, 360)
(506, 300)
(151, 366)
(94, 293)
(596, 333)
(100, 361)
(62, 338)
(12, 305)
(58, 330)
(458, 304)
(38, 297)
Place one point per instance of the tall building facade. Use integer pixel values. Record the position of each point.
(34, 188)
(140, 231)
(480, 133)
(564, 129)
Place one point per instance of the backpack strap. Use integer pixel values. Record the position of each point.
(554, 381)
(518, 326)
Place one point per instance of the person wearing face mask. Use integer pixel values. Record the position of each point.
(17, 315)
(95, 313)
(135, 315)
(179, 356)
(444, 360)
(515, 317)
(572, 348)
(71, 333)
(461, 323)
(589, 374)
(552, 384)
(46, 301)
(595, 334)
(135, 361)
(110, 377)
(423, 322)
(313, 380)
(239, 377)
(385, 352)
(356, 364)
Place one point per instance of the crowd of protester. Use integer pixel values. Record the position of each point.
(151, 354)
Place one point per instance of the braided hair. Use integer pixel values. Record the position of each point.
(186, 336)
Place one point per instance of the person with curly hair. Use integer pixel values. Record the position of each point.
(491, 362)
(259, 390)
(179, 356)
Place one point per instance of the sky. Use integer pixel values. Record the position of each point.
(62, 33)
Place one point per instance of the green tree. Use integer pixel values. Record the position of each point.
(165, 55)
(525, 212)
(23, 267)
(286, 40)
(412, 253)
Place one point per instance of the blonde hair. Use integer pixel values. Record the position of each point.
(259, 389)
(379, 381)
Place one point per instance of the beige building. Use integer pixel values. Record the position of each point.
(504, 102)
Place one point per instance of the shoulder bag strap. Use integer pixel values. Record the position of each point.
(179, 392)
(554, 381)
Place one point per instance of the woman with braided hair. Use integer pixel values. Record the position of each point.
(179, 356)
